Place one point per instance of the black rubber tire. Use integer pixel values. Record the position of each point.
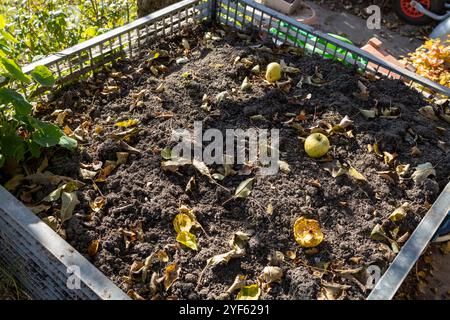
(436, 6)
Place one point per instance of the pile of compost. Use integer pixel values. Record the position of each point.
(389, 147)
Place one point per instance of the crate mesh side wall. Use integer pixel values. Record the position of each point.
(127, 41)
(245, 14)
(130, 39)
(39, 272)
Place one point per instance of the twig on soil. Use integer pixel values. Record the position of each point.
(97, 188)
(219, 185)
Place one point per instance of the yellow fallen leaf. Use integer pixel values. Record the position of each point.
(187, 239)
(171, 274)
(127, 123)
(93, 247)
(97, 204)
(307, 232)
(162, 256)
(134, 295)
(182, 222)
(400, 212)
(352, 172)
(251, 292)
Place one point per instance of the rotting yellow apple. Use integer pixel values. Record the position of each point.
(273, 72)
(317, 145)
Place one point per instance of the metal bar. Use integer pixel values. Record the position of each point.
(49, 252)
(391, 280)
(62, 55)
(353, 49)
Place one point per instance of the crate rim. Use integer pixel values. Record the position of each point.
(140, 22)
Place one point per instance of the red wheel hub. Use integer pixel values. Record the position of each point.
(410, 11)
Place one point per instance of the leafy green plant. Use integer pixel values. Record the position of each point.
(22, 135)
(41, 27)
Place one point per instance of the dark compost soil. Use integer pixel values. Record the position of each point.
(139, 192)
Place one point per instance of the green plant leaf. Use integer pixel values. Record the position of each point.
(20, 104)
(2, 160)
(12, 146)
(46, 134)
(35, 150)
(49, 135)
(8, 36)
(14, 70)
(43, 76)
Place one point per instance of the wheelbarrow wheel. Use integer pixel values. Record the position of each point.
(410, 15)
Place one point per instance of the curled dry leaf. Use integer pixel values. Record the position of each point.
(363, 93)
(275, 258)
(174, 164)
(93, 247)
(428, 112)
(284, 166)
(221, 96)
(134, 295)
(201, 167)
(87, 174)
(237, 244)
(166, 153)
(422, 172)
(185, 44)
(182, 222)
(246, 85)
(416, 152)
(191, 184)
(352, 172)
(291, 254)
(345, 122)
(379, 234)
(98, 204)
(338, 169)
(332, 291)
(269, 209)
(182, 60)
(238, 283)
(307, 232)
(400, 212)
(162, 256)
(183, 209)
(171, 274)
(256, 69)
(39, 208)
(128, 237)
(218, 176)
(110, 166)
(272, 274)
(244, 189)
(368, 114)
(402, 169)
(52, 222)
